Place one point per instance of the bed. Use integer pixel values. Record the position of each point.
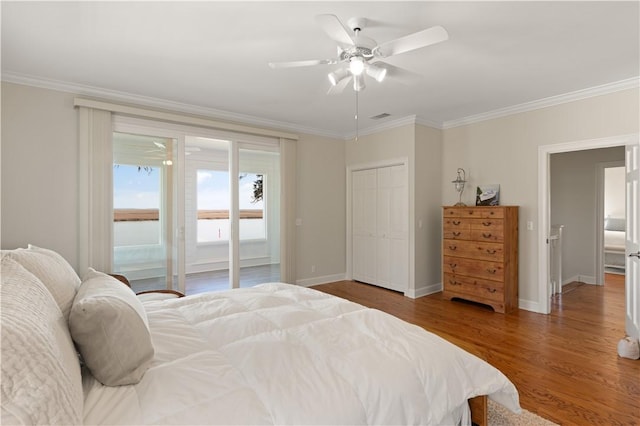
(614, 245)
(272, 354)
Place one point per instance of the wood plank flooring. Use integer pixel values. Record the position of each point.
(214, 280)
(565, 365)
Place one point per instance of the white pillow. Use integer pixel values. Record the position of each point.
(109, 325)
(53, 271)
(41, 379)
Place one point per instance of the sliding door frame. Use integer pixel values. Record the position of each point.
(97, 122)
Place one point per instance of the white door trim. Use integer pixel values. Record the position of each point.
(544, 205)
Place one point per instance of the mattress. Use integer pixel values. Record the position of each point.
(283, 354)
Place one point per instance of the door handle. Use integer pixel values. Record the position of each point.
(635, 254)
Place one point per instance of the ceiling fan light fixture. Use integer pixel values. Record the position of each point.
(337, 76)
(356, 65)
(376, 72)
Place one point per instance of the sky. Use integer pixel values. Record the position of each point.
(135, 189)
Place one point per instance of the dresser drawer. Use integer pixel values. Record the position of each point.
(474, 250)
(485, 289)
(456, 228)
(473, 212)
(489, 229)
(493, 271)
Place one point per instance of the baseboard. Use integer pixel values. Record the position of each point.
(530, 305)
(308, 282)
(423, 291)
(587, 279)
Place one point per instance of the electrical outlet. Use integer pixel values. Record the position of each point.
(529, 225)
(313, 268)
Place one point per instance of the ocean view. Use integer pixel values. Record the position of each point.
(133, 227)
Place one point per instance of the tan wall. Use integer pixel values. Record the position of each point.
(39, 175)
(39, 170)
(505, 151)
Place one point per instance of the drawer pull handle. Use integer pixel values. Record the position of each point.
(454, 282)
(456, 234)
(492, 271)
(453, 248)
(453, 265)
(487, 223)
(491, 251)
(486, 235)
(456, 222)
(491, 290)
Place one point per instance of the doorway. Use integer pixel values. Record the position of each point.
(576, 186)
(630, 142)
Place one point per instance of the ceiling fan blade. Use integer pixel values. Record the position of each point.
(308, 63)
(335, 29)
(400, 74)
(339, 88)
(410, 42)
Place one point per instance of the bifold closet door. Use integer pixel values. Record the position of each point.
(392, 228)
(380, 252)
(364, 227)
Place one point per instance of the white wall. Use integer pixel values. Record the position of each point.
(614, 193)
(573, 184)
(505, 151)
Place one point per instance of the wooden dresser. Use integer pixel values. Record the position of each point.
(480, 255)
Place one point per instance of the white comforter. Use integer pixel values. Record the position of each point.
(282, 354)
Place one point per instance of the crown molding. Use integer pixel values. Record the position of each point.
(604, 89)
(112, 95)
(146, 101)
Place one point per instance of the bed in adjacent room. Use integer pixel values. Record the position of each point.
(272, 354)
(614, 245)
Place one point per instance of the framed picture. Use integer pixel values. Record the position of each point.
(488, 195)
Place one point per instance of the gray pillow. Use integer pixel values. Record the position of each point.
(614, 224)
(109, 325)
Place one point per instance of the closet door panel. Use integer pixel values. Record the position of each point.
(380, 226)
(364, 225)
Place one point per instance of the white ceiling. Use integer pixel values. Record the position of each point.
(212, 56)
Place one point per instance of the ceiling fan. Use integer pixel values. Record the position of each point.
(362, 55)
(162, 148)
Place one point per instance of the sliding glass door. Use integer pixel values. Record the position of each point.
(144, 219)
(259, 214)
(195, 211)
(207, 202)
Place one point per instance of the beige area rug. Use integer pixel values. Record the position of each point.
(500, 416)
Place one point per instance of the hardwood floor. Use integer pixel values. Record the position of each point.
(565, 365)
(214, 280)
